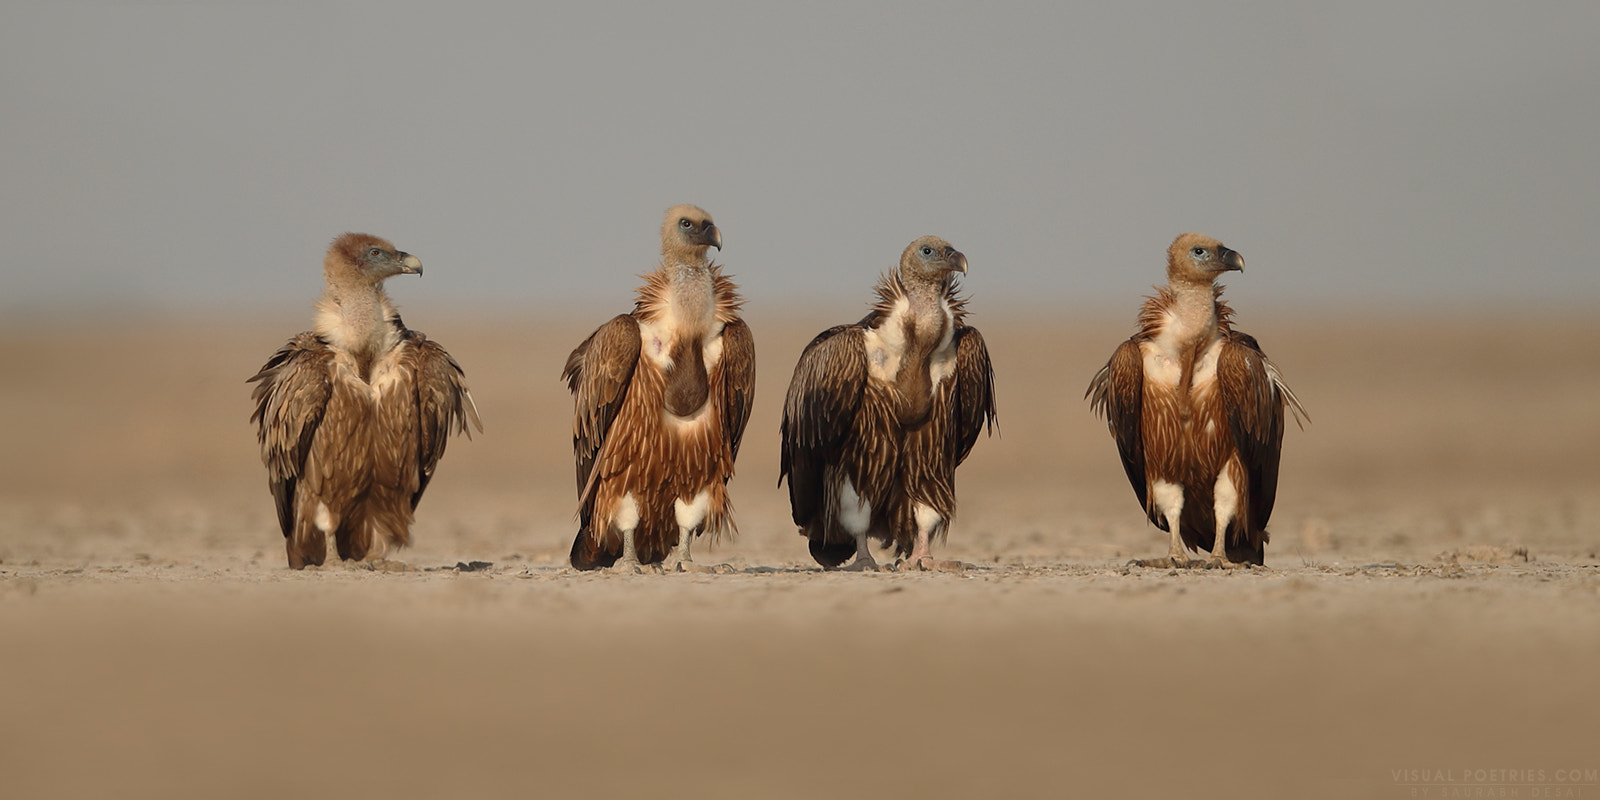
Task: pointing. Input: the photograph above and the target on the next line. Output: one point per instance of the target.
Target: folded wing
(819, 412)
(974, 395)
(443, 404)
(1253, 398)
(1117, 394)
(291, 396)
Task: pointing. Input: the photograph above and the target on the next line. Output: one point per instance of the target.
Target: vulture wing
(1117, 394)
(291, 396)
(1254, 397)
(818, 413)
(974, 398)
(738, 365)
(443, 403)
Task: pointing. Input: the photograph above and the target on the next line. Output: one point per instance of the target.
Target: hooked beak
(1231, 260)
(410, 264)
(960, 262)
(707, 236)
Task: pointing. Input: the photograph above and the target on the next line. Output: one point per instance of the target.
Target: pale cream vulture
(353, 415)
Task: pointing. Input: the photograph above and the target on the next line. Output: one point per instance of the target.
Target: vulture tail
(832, 554)
(1254, 552)
(590, 552)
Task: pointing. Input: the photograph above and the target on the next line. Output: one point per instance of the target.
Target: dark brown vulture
(353, 415)
(1197, 412)
(880, 413)
(661, 399)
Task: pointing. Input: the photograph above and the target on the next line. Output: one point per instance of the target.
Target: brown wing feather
(443, 403)
(1253, 398)
(598, 373)
(819, 411)
(1117, 393)
(291, 396)
(738, 366)
(974, 398)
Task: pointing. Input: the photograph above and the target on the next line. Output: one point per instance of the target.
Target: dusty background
(1432, 602)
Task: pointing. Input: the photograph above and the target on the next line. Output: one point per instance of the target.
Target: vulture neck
(1184, 321)
(924, 293)
(357, 318)
(679, 324)
(918, 330)
(691, 301)
(929, 315)
(1190, 318)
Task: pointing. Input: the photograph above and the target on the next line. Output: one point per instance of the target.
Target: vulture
(1197, 412)
(661, 396)
(880, 413)
(353, 415)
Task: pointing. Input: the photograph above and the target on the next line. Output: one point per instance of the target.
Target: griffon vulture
(1197, 412)
(661, 399)
(353, 415)
(880, 413)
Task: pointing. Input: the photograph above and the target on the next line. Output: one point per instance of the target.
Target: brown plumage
(880, 413)
(353, 415)
(661, 399)
(1197, 412)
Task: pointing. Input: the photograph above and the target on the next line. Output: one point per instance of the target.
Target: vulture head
(1197, 258)
(687, 231)
(367, 258)
(933, 259)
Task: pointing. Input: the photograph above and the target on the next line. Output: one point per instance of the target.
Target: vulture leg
(854, 515)
(687, 564)
(1168, 499)
(628, 563)
(864, 562)
(691, 518)
(1227, 496)
(928, 521)
(680, 554)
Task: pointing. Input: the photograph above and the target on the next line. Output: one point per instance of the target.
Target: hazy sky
(1416, 153)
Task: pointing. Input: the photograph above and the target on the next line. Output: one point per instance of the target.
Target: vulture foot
(1222, 563)
(862, 563)
(695, 566)
(929, 564)
(623, 567)
(1157, 563)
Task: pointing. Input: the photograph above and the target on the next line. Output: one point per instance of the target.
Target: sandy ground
(1431, 614)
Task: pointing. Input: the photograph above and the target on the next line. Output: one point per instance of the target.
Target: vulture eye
(927, 251)
(1198, 252)
(374, 252)
(685, 224)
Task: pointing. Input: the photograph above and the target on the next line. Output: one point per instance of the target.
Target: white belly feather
(1163, 365)
(886, 345)
(655, 343)
(692, 514)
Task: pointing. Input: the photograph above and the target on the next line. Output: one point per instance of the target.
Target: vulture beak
(409, 264)
(958, 262)
(1231, 260)
(715, 236)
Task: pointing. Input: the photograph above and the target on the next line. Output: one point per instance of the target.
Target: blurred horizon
(1419, 157)
(1117, 318)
